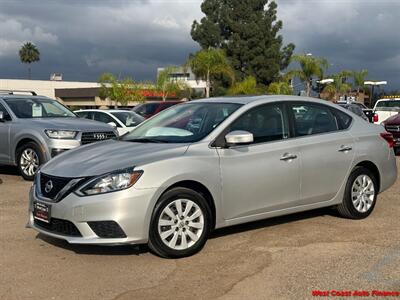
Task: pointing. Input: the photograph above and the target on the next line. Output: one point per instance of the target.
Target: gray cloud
(82, 39)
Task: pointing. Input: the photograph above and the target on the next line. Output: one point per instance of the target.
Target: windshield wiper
(146, 140)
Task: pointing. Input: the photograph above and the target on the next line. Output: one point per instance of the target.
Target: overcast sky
(83, 38)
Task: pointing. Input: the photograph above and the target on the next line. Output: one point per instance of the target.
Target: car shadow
(141, 249)
(265, 223)
(9, 170)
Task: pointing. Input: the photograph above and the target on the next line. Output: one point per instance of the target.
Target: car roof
(260, 99)
(22, 96)
(104, 110)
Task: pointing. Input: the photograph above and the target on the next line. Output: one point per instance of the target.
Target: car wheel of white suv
(180, 223)
(360, 194)
(29, 158)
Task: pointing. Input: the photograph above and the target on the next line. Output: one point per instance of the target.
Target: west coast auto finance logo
(355, 293)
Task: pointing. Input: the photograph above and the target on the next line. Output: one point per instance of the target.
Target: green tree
(311, 68)
(359, 79)
(339, 86)
(167, 87)
(28, 54)
(209, 62)
(280, 88)
(246, 87)
(248, 32)
(120, 91)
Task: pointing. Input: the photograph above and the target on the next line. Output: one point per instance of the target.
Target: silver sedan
(209, 164)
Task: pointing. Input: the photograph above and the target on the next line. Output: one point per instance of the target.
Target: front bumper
(131, 209)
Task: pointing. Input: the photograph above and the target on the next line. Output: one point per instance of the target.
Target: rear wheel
(29, 158)
(360, 194)
(180, 224)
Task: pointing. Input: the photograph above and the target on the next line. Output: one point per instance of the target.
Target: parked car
(369, 113)
(354, 109)
(149, 109)
(213, 163)
(124, 121)
(392, 125)
(33, 129)
(385, 108)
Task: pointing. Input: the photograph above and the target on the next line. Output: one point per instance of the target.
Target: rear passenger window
(313, 119)
(344, 120)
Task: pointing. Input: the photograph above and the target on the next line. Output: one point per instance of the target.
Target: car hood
(77, 124)
(107, 156)
(393, 120)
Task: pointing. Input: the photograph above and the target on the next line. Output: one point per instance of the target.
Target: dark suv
(149, 109)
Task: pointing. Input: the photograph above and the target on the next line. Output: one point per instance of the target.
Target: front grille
(107, 229)
(59, 226)
(50, 186)
(91, 137)
(393, 128)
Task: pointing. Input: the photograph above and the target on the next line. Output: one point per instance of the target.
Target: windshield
(388, 104)
(145, 109)
(128, 118)
(27, 108)
(184, 123)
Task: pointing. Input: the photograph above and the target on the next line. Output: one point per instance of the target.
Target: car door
(325, 147)
(264, 175)
(5, 136)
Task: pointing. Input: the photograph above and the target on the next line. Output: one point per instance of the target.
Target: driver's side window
(6, 115)
(266, 123)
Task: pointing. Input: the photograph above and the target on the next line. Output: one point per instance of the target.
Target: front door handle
(344, 148)
(288, 156)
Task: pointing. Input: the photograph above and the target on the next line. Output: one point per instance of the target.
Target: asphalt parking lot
(281, 258)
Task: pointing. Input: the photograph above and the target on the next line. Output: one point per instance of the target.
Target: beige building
(43, 87)
(75, 94)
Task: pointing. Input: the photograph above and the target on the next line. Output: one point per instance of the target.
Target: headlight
(112, 182)
(61, 134)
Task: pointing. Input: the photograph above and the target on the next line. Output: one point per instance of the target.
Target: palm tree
(339, 85)
(209, 62)
(359, 78)
(28, 54)
(246, 87)
(310, 67)
(280, 88)
(168, 87)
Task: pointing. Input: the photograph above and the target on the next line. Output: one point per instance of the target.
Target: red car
(149, 109)
(392, 125)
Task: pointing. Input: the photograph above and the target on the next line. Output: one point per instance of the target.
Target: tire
(182, 234)
(360, 194)
(29, 155)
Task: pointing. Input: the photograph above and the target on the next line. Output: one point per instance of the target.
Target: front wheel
(180, 224)
(360, 194)
(29, 159)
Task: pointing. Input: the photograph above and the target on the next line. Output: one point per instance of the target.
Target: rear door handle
(345, 148)
(288, 156)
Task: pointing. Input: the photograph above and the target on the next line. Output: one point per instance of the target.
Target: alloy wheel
(181, 224)
(363, 193)
(29, 162)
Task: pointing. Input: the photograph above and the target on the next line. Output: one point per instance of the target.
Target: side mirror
(2, 116)
(112, 124)
(239, 137)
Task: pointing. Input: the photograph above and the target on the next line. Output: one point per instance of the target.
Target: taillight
(376, 118)
(388, 138)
